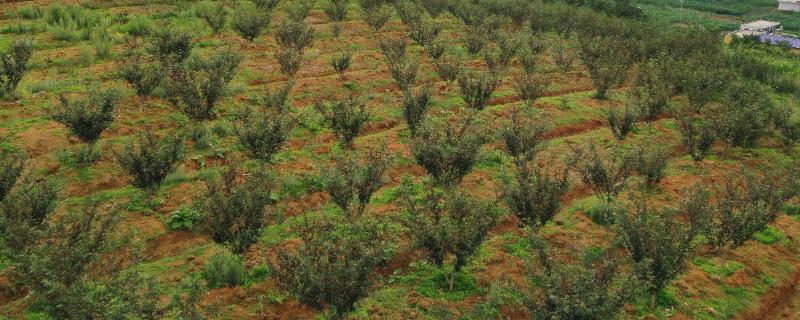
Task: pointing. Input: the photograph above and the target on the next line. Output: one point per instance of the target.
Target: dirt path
(791, 311)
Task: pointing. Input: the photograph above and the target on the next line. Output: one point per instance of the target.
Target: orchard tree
(11, 166)
(477, 88)
(447, 223)
(249, 22)
(14, 65)
(524, 133)
(294, 34)
(332, 265)
(531, 87)
(346, 117)
(376, 17)
(263, 131)
(621, 123)
(24, 212)
(215, 16)
(607, 59)
(650, 161)
(201, 82)
(650, 90)
(745, 115)
(235, 208)
(89, 117)
(607, 173)
(149, 159)
(592, 289)
(447, 153)
(351, 181)
(534, 193)
(416, 103)
(404, 72)
(140, 69)
(697, 135)
(170, 47)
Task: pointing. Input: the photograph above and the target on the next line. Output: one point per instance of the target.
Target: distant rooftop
(759, 25)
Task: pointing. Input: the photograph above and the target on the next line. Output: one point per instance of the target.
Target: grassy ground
(722, 15)
(69, 59)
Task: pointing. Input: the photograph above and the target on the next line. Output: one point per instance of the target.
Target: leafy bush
(447, 153)
(415, 104)
(88, 118)
(294, 34)
(425, 31)
(337, 10)
(346, 117)
(214, 16)
(351, 182)
(291, 60)
(498, 55)
(24, 212)
(447, 223)
(607, 174)
(745, 116)
(394, 49)
(434, 7)
(263, 131)
(170, 47)
(531, 87)
(620, 123)
(404, 72)
(376, 17)
(201, 83)
(410, 13)
(477, 88)
(140, 70)
(11, 165)
(449, 68)
(224, 269)
(650, 91)
(788, 126)
(333, 263)
(650, 161)
(563, 56)
(697, 135)
(298, 10)
(476, 38)
(234, 212)
(183, 219)
(341, 62)
(583, 290)
(14, 65)
(535, 195)
(607, 59)
(249, 23)
(148, 159)
(523, 134)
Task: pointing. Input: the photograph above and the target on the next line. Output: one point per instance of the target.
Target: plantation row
(77, 267)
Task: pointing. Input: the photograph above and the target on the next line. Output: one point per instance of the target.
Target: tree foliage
(89, 117)
(351, 181)
(14, 65)
(149, 159)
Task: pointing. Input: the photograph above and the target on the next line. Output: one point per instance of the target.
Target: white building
(789, 5)
(761, 26)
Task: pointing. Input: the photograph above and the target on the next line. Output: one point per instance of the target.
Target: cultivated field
(302, 159)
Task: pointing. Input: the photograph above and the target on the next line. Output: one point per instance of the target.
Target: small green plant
(224, 269)
(235, 210)
(263, 131)
(249, 23)
(531, 87)
(424, 32)
(393, 48)
(404, 72)
(291, 60)
(88, 118)
(620, 123)
(447, 151)
(449, 68)
(376, 17)
(214, 15)
(294, 34)
(341, 62)
(477, 88)
(650, 161)
(346, 117)
(11, 165)
(298, 10)
(202, 82)
(337, 10)
(352, 181)
(415, 105)
(184, 219)
(267, 5)
(148, 159)
(139, 69)
(14, 65)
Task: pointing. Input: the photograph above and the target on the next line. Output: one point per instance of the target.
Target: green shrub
(404, 72)
(607, 59)
(88, 118)
(294, 34)
(234, 212)
(650, 91)
(425, 31)
(447, 151)
(603, 213)
(524, 134)
(341, 62)
(333, 264)
(224, 270)
(214, 16)
(267, 5)
(745, 116)
(298, 10)
(24, 212)
(650, 161)
(14, 65)
(620, 123)
(377, 17)
(200, 83)
(352, 181)
(137, 26)
(415, 105)
(291, 60)
(535, 194)
(477, 88)
(170, 47)
(11, 165)
(183, 219)
(531, 87)
(337, 10)
(393, 48)
(249, 22)
(697, 135)
(148, 159)
(606, 173)
(346, 117)
(449, 68)
(263, 131)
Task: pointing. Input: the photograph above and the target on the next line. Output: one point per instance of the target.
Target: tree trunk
(653, 299)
